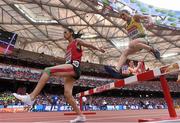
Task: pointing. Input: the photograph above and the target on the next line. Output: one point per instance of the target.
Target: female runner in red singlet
(70, 71)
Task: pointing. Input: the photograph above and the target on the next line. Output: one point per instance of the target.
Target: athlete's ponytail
(75, 35)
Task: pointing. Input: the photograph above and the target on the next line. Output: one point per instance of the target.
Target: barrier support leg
(168, 97)
(81, 103)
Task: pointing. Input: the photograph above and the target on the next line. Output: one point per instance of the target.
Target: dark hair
(125, 11)
(75, 35)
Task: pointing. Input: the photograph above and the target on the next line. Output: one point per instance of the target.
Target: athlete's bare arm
(90, 46)
(147, 20)
(142, 18)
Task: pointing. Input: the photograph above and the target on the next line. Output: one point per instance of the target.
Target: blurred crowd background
(21, 71)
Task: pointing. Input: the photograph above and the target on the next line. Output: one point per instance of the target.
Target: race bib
(133, 33)
(76, 63)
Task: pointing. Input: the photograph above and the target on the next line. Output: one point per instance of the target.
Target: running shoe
(156, 54)
(24, 98)
(78, 119)
(113, 72)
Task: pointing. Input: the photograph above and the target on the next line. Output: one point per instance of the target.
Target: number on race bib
(76, 63)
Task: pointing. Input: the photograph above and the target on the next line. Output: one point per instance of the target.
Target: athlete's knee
(47, 70)
(67, 95)
(132, 44)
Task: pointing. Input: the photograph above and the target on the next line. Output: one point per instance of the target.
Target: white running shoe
(78, 119)
(24, 98)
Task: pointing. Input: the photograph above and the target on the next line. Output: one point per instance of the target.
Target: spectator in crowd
(134, 69)
(84, 101)
(173, 67)
(104, 105)
(54, 100)
(131, 68)
(125, 70)
(114, 106)
(5, 104)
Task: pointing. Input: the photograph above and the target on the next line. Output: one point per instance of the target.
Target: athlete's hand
(149, 25)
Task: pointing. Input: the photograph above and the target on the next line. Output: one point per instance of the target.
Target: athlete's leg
(140, 43)
(68, 87)
(116, 72)
(135, 46)
(59, 70)
(130, 50)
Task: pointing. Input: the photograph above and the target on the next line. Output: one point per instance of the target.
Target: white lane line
(165, 121)
(122, 117)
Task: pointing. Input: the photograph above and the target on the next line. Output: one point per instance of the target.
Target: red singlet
(73, 52)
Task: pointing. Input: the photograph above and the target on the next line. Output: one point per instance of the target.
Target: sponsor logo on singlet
(68, 56)
(133, 31)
